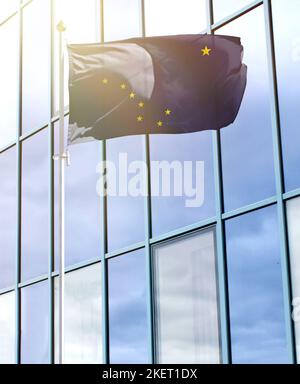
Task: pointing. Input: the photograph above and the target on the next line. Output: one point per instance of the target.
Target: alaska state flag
(168, 84)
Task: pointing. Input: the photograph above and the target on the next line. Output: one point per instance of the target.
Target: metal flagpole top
(61, 26)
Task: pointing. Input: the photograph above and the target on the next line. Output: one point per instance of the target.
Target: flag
(166, 85)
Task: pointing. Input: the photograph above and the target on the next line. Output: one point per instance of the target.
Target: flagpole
(61, 198)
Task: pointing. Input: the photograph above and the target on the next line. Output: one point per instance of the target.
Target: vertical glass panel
(171, 17)
(9, 82)
(247, 154)
(121, 19)
(8, 217)
(186, 300)
(185, 162)
(287, 44)
(83, 319)
(7, 8)
(82, 203)
(127, 309)
(7, 328)
(255, 289)
(81, 18)
(35, 205)
(36, 65)
(224, 8)
(293, 214)
(35, 324)
(125, 202)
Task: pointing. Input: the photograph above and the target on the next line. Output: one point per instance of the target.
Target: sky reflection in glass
(247, 153)
(186, 300)
(36, 65)
(35, 205)
(35, 324)
(287, 44)
(7, 328)
(255, 289)
(125, 214)
(83, 338)
(127, 309)
(293, 214)
(8, 217)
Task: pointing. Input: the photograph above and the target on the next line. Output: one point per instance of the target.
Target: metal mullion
(19, 193)
(103, 214)
(220, 233)
(249, 208)
(279, 178)
(148, 227)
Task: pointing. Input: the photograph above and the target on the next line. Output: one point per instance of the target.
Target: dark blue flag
(169, 84)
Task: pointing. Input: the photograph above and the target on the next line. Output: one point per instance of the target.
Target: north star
(113, 374)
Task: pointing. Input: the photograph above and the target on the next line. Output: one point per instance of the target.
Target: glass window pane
(7, 328)
(293, 214)
(224, 8)
(83, 319)
(127, 309)
(255, 289)
(8, 217)
(186, 300)
(9, 82)
(125, 203)
(7, 8)
(171, 17)
(81, 18)
(190, 168)
(121, 19)
(35, 205)
(82, 203)
(35, 324)
(247, 153)
(36, 63)
(287, 44)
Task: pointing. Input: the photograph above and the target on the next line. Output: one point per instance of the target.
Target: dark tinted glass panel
(224, 8)
(8, 217)
(36, 61)
(255, 289)
(9, 82)
(186, 303)
(293, 213)
(188, 150)
(171, 17)
(117, 14)
(247, 154)
(287, 43)
(35, 324)
(127, 309)
(7, 328)
(35, 205)
(82, 203)
(125, 202)
(83, 339)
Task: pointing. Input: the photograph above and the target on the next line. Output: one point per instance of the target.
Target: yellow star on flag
(168, 112)
(132, 95)
(206, 51)
(105, 81)
(123, 86)
(141, 104)
(140, 118)
(159, 123)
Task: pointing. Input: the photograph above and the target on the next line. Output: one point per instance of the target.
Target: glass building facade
(149, 280)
